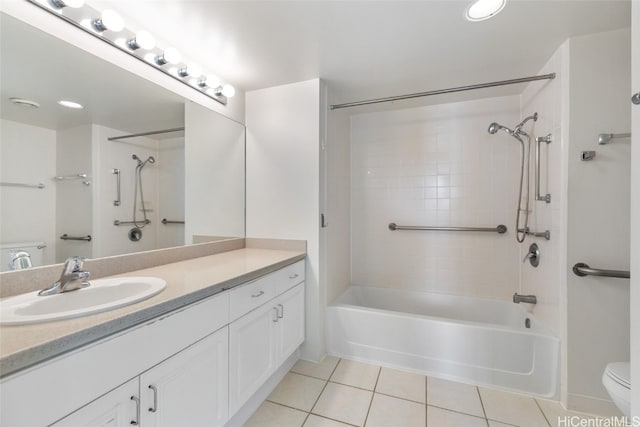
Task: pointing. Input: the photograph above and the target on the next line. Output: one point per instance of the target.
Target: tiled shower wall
(436, 165)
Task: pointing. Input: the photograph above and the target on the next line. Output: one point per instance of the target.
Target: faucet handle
(73, 264)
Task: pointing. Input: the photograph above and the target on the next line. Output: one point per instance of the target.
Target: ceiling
(368, 49)
(45, 69)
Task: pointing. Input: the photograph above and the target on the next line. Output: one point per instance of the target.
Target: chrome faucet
(72, 278)
(19, 260)
(529, 299)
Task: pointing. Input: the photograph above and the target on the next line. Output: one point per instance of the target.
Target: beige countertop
(187, 282)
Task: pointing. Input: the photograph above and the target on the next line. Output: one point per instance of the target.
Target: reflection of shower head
(142, 164)
(495, 127)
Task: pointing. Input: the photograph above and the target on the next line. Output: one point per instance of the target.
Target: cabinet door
(251, 354)
(118, 408)
(291, 322)
(190, 388)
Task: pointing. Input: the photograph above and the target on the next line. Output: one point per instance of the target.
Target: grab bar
(581, 269)
(118, 222)
(546, 233)
(86, 238)
(499, 229)
(539, 197)
(82, 176)
(605, 138)
(166, 221)
(116, 172)
(19, 184)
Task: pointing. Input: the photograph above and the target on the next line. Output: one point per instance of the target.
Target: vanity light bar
(109, 27)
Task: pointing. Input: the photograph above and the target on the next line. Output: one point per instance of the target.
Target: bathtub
(472, 340)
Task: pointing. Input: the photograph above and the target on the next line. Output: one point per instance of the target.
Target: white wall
(215, 176)
(338, 210)
(635, 214)
(436, 166)
(171, 185)
(28, 155)
(283, 183)
(74, 200)
(598, 214)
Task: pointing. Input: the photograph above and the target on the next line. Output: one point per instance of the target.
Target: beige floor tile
(512, 408)
(356, 374)
(316, 421)
(389, 411)
(322, 370)
(274, 415)
(297, 391)
(437, 417)
(556, 415)
(454, 396)
(344, 403)
(405, 385)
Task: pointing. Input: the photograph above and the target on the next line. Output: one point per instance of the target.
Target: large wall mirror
(70, 188)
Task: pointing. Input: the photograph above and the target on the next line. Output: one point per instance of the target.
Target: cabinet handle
(293, 276)
(137, 420)
(155, 398)
(281, 315)
(277, 317)
(259, 294)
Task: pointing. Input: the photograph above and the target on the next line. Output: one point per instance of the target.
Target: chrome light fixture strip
(219, 98)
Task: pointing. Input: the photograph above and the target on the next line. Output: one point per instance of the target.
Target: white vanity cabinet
(260, 341)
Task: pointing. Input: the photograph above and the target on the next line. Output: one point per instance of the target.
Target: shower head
(151, 160)
(495, 127)
(141, 164)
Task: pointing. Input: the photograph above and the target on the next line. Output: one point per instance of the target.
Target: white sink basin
(102, 295)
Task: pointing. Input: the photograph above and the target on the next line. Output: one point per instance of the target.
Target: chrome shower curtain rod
(443, 91)
(153, 132)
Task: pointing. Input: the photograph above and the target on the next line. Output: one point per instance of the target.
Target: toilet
(617, 380)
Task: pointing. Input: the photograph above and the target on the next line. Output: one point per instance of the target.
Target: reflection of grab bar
(539, 197)
(499, 229)
(581, 269)
(18, 184)
(116, 172)
(86, 238)
(166, 221)
(605, 138)
(82, 176)
(118, 222)
(546, 233)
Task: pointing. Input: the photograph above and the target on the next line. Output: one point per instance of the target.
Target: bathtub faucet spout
(530, 299)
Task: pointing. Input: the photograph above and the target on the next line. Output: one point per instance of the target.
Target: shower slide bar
(443, 91)
(500, 229)
(605, 138)
(581, 269)
(118, 222)
(19, 184)
(152, 132)
(166, 221)
(86, 238)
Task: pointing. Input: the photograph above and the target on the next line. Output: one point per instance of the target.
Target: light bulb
(110, 20)
(59, 4)
(143, 39)
(212, 81)
(228, 91)
(169, 56)
(484, 9)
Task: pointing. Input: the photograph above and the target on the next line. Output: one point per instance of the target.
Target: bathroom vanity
(192, 355)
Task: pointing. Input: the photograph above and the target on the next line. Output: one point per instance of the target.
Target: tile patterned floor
(340, 392)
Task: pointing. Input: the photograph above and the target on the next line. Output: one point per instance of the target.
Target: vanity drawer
(246, 297)
(290, 276)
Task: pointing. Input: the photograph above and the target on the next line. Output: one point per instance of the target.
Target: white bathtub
(472, 340)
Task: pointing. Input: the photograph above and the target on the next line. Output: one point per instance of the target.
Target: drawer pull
(275, 320)
(137, 420)
(281, 311)
(259, 294)
(293, 276)
(155, 398)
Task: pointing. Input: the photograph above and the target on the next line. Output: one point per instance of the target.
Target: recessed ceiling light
(484, 9)
(24, 102)
(70, 104)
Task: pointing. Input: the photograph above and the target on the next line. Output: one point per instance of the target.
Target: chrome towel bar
(581, 269)
(499, 229)
(166, 221)
(86, 238)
